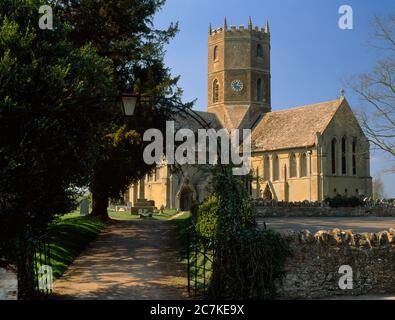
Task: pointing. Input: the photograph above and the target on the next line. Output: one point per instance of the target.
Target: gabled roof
(293, 128)
(234, 115)
(195, 120)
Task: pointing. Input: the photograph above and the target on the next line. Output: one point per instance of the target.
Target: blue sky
(310, 55)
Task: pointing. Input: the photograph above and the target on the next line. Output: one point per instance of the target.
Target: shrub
(343, 201)
(251, 263)
(207, 217)
(246, 260)
(208, 212)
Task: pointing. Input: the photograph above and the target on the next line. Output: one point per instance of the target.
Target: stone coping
(338, 237)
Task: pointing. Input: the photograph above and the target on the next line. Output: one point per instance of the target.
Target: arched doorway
(186, 197)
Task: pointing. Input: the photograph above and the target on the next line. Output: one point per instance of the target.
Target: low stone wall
(313, 269)
(8, 284)
(295, 211)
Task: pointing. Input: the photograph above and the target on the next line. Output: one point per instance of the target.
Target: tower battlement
(250, 29)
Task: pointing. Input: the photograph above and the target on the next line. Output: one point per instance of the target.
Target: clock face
(237, 85)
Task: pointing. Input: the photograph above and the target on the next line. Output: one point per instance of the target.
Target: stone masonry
(313, 269)
(292, 211)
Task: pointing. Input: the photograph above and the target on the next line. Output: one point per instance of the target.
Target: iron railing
(200, 253)
(41, 264)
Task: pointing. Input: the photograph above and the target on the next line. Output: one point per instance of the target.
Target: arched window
(215, 91)
(215, 53)
(303, 165)
(259, 89)
(354, 157)
(344, 155)
(333, 155)
(157, 174)
(259, 50)
(276, 171)
(267, 168)
(292, 166)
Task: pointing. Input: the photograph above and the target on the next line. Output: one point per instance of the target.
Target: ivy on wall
(247, 259)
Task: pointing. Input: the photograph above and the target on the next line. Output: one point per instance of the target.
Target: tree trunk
(100, 204)
(25, 273)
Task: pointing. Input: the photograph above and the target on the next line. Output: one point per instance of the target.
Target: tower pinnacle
(249, 23)
(267, 29)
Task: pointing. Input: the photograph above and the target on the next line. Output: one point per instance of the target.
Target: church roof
(197, 120)
(295, 127)
(234, 115)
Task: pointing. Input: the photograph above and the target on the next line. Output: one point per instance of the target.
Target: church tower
(239, 73)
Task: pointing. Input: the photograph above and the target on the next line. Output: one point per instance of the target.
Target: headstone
(84, 207)
(148, 205)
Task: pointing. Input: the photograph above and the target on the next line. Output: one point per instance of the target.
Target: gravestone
(84, 207)
(148, 205)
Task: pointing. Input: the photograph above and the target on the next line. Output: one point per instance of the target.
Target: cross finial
(342, 93)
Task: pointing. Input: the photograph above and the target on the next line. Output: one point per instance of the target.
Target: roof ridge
(306, 106)
(341, 100)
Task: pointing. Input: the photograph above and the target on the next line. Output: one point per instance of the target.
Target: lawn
(126, 215)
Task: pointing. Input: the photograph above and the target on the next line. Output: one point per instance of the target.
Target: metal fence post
(196, 264)
(204, 269)
(189, 262)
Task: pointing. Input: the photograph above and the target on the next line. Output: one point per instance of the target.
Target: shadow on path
(130, 260)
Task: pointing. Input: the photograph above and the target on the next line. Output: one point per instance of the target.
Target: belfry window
(216, 53)
(333, 156)
(344, 155)
(259, 50)
(259, 89)
(215, 91)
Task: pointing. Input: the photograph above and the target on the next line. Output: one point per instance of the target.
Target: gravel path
(130, 260)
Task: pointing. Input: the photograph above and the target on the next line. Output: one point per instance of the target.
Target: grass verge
(69, 236)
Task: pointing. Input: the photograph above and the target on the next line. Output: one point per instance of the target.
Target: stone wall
(8, 284)
(313, 269)
(318, 211)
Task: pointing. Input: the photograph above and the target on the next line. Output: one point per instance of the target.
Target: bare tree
(377, 89)
(378, 188)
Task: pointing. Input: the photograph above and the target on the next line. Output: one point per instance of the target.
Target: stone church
(308, 152)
